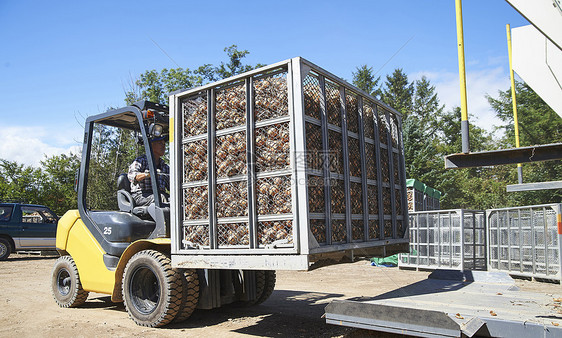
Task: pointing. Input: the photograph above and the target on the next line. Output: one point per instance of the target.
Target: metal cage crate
(281, 165)
(525, 241)
(452, 239)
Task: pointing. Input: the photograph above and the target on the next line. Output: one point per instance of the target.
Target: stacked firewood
(273, 147)
(274, 195)
(195, 235)
(318, 228)
(230, 107)
(196, 201)
(270, 98)
(195, 161)
(233, 234)
(195, 116)
(271, 231)
(232, 199)
(231, 154)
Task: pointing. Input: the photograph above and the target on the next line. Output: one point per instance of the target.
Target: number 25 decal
(107, 230)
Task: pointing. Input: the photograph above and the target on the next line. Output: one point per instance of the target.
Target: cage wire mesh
(318, 229)
(195, 200)
(194, 115)
(274, 231)
(232, 199)
(271, 97)
(230, 106)
(333, 103)
(195, 166)
(352, 109)
(311, 91)
(272, 147)
(274, 195)
(233, 234)
(231, 154)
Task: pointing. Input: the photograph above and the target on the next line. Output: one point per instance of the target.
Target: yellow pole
(513, 100)
(462, 79)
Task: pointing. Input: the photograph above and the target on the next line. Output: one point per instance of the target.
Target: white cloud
(30, 144)
(479, 84)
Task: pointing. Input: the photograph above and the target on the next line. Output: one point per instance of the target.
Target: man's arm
(136, 172)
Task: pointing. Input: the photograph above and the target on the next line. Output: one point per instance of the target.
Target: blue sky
(63, 60)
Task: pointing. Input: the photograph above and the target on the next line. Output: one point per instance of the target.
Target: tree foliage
(155, 85)
(538, 124)
(430, 132)
(52, 184)
(398, 92)
(364, 79)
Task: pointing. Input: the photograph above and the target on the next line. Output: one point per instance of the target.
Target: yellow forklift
(112, 246)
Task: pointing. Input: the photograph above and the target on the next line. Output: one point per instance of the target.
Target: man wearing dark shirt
(141, 184)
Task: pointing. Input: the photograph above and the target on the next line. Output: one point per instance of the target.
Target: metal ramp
(454, 304)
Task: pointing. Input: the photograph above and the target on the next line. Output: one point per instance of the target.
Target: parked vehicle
(26, 227)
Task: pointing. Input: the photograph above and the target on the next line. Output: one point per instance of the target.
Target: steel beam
(536, 153)
(534, 186)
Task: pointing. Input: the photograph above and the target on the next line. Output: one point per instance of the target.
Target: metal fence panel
(451, 239)
(525, 241)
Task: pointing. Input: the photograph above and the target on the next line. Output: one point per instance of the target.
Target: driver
(141, 185)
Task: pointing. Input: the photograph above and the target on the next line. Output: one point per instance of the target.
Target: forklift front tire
(152, 290)
(65, 283)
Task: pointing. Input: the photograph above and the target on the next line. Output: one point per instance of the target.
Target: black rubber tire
(269, 284)
(260, 286)
(190, 297)
(5, 249)
(152, 290)
(65, 283)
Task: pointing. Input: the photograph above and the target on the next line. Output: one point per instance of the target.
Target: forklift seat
(125, 199)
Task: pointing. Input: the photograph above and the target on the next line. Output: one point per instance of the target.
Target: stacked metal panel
(286, 159)
(525, 241)
(446, 239)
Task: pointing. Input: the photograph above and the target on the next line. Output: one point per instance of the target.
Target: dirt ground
(295, 309)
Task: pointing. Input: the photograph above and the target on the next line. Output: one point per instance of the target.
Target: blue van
(26, 227)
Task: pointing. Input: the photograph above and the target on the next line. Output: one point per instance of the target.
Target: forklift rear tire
(5, 249)
(190, 295)
(65, 283)
(152, 290)
(269, 284)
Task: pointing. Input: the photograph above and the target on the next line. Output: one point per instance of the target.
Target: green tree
(234, 65)
(364, 79)
(538, 124)
(426, 106)
(155, 86)
(398, 92)
(449, 126)
(19, 182)
(57, 181)
(422, 161)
